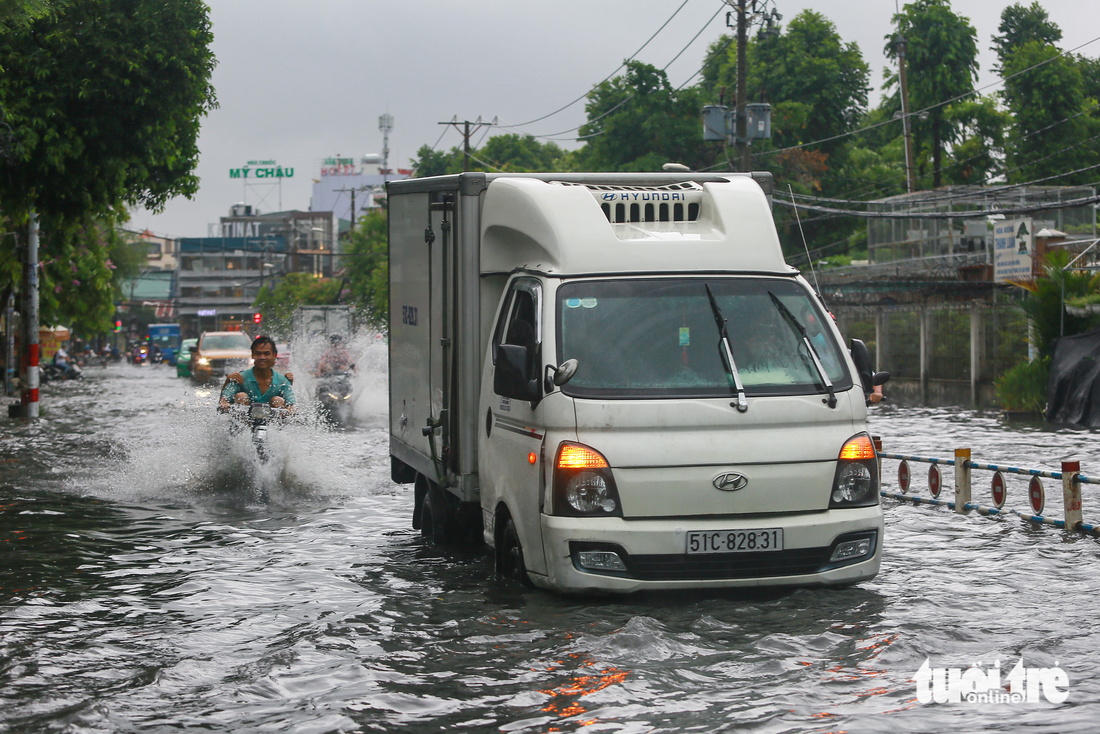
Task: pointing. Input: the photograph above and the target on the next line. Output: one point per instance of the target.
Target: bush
(1024, 387)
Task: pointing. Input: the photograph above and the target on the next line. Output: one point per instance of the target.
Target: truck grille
(794, 562)
(714, 566)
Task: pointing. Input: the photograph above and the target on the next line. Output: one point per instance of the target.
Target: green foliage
(816, 83)
(18, 13)
(83, 268)
(977, 156)
(1021, 24)
(100, 102)
(105, 95)
(295, 289)
(367, 262)
(1044, 301)
(509, 152)
(637, 122)
(1024, 386)
(430, 162)
(1048, 133)
(941, 63)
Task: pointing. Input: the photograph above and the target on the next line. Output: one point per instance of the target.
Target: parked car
(219, 353)
(183, 360)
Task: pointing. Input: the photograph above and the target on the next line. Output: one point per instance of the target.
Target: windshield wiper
(801, 331)
(742, 404)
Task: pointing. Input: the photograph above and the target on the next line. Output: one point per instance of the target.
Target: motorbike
(258, 417)
(334, 396)
(49, 372)
(139, 355)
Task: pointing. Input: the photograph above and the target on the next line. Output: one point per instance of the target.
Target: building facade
(220, 276)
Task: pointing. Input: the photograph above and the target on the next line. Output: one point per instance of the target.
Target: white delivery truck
(617, 382)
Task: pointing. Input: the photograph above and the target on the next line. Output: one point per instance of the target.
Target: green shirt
(280, 387)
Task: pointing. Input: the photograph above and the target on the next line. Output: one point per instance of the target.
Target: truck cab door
(513, 431)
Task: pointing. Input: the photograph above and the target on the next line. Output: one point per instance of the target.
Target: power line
(629, 58)
(550, 136)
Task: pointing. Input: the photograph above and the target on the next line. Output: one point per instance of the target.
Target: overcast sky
(297, 82)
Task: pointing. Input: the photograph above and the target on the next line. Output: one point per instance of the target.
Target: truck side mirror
(862, 359)
(563, 373)
(867, 376)
(510, 377)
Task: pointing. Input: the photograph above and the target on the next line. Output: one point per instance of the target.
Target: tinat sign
(261, 169)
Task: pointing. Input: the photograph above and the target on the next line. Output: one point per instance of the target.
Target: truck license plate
(735, 541)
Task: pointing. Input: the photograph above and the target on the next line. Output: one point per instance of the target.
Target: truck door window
(521, 319)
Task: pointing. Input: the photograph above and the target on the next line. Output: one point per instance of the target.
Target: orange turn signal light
(858, 448)
(572, 456)
(531, 458)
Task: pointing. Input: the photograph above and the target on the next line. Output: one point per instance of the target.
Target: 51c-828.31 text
(735, 541)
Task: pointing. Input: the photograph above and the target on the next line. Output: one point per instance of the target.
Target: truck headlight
(855, 483)
(583, 484)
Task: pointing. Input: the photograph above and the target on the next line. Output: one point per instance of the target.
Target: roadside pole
(30, 320)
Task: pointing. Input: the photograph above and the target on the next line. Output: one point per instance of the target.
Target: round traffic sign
(998, 490)
(903, 475)
(934, 480)
(1036, 496)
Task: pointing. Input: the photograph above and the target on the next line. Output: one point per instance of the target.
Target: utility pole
(910, 181)
(466, 134)
(351, 191)
(30, 320)
(743, 87)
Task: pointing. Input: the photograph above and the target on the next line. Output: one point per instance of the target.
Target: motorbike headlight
(583, 484)
(204, 360)
(856, 481)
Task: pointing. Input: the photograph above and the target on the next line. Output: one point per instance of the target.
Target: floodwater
(143, 588)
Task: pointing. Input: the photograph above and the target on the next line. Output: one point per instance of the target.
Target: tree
(1020, 24)
(430, 162)
(942, 64)
(1052, 123)
(295, 289)
(977, 156)
(638, 122)
(105, 95)
(510, 152)
(521, 153)
(366, 259)
(817, 84)
(100, 102)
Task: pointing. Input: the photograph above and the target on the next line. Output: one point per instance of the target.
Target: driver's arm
(228, 393)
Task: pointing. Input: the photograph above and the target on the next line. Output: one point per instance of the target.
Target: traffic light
(118, 325)
(256, 318)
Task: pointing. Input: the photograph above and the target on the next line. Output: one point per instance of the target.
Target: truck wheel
(430, 529)
(510, 555)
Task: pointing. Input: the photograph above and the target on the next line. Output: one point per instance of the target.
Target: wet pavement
(143, 587)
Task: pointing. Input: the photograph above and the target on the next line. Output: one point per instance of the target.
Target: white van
(617, 381)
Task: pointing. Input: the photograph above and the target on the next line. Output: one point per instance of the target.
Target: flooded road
(143, 588)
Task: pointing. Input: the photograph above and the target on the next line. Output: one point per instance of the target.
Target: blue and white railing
(1070, 478)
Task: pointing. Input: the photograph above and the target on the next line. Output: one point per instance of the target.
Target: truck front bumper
(653, 552)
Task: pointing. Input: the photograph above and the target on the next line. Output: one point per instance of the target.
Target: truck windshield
(657, 338)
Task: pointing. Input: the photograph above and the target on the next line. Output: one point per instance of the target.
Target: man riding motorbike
(336, 358)
(261, 383)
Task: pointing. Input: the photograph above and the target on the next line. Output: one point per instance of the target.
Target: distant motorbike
(139, 355)
(50, 372)
(334, 396)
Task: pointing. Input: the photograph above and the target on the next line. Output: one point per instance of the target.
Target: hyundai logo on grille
(730, 481)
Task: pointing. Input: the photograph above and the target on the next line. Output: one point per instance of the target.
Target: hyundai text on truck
(618, 383)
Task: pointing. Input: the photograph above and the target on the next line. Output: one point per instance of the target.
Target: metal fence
(969, 345)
